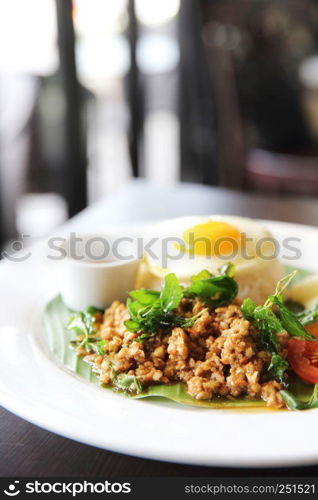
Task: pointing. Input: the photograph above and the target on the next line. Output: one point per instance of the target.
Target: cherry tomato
(303, 359)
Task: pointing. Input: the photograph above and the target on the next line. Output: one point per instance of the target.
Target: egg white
(257, 274)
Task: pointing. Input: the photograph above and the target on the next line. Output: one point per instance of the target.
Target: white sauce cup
(96, 269)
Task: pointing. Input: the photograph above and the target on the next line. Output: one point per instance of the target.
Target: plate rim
(11, 403)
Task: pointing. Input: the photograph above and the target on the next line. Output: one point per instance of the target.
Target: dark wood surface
(27, 450)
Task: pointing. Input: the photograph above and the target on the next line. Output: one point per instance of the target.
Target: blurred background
(95, 92)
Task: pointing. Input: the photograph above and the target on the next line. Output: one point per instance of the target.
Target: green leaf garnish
(214, 291)
(171, 293)
(228, 269)
(309, 316)
(152, 312)
(128, 383)
(202, 275)
(295, 403)
(248, 307)
(99, 347)
(144, 296)
(84, 325)
(291, 322)
(269, 325)
(278, 366)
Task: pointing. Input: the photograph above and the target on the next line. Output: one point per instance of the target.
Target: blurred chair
(278, 173)
(254, 51)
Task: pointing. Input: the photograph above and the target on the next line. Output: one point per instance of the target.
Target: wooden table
(27, 450)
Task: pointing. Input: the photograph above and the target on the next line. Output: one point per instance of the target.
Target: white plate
(35, 387)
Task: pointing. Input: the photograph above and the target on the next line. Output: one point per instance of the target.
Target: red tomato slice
(313, 328)
(303, 358)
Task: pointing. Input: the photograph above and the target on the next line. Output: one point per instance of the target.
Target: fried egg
(187, 245)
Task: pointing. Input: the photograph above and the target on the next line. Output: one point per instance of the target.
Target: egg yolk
(212, 238)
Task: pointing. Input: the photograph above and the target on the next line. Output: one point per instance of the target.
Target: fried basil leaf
(151, 311)
(269, 325)
(215, 291)
(171, 293)
(84, 324)
(248, 307)
(278, 366)
(144, 296)
(291, 323)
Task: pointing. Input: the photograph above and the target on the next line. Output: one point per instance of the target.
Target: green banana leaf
(58, 338)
